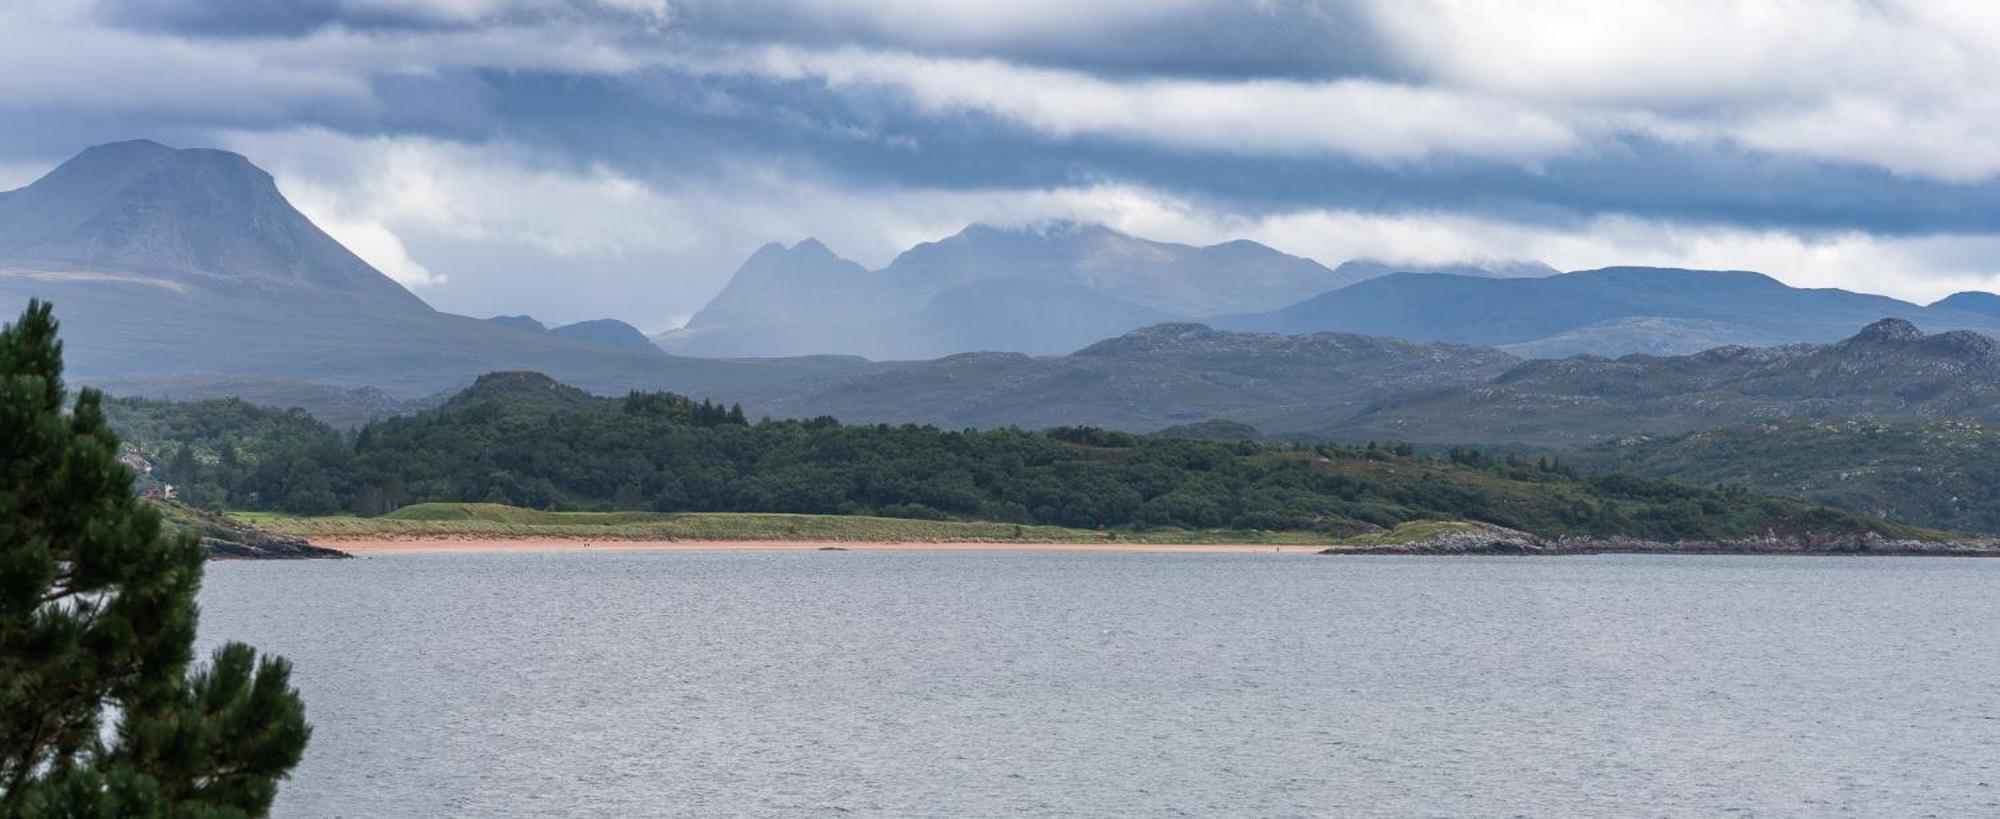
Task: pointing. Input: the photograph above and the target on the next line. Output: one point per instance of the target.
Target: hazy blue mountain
(1039, 290)
(1358, 270)
(527, 324)
(1153, 378)
(797, 301)
(145, 215)
(1890, 371)
(1612, 311)
(1648, 335)
(607, 332)
(1971, 301)
(188, 267)
(1170, 278)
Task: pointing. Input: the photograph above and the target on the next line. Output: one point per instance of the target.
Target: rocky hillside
(229, 538)
(1942, 474)
(1890, 371)
(1153, 378)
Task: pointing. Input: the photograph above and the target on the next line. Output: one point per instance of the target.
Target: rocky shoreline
(264, 546)
(1496, 540)
(226, 538)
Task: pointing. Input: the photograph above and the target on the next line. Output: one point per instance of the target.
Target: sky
(575, 159)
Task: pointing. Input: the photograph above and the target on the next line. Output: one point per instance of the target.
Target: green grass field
(497, 521)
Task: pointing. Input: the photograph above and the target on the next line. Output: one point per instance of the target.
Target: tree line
(523, 440)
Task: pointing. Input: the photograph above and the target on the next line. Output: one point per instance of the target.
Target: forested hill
(525, 440)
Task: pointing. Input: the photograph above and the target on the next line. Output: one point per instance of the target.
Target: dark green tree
(102, 713)
(182, 468)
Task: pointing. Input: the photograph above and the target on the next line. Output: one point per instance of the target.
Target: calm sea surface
(820, 683)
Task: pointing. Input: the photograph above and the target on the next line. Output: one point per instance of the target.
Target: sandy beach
(383, 546)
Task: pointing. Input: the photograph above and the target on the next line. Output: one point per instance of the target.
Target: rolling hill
(1943, 474)
(1610, 312)
(1152, 378)
(525, 440)
(1890, 371)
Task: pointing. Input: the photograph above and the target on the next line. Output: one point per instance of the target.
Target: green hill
(1890, 371)
(522, 440)
(1943, 474)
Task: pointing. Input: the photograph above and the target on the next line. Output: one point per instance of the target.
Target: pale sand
(377, 546)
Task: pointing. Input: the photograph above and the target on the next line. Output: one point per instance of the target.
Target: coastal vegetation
(495, 521)
(523, 440)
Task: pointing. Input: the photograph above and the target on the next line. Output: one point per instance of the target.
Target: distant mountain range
(1055, 289)
(1036, 290)
(173, 268)
(185, 273)
(1609, 312)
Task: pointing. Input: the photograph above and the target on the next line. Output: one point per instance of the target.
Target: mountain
(1890, 371)
(528, 324)
(1153, 378)
(1358, 270)
(1971, 301)
(147, 215)
(178, 268)
(1943, 474)
(1611, 311)
(1166, 277)
(1044, 290)
(607, 332)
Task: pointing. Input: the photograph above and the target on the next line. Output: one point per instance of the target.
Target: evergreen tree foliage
(102, 713)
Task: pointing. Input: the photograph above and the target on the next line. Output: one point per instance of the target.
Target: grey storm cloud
(1814, 137)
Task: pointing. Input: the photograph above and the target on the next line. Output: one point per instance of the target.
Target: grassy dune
(427, 520)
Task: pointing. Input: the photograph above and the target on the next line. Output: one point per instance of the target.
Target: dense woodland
(524, 440)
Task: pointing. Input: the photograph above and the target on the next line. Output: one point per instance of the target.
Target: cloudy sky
(583, 158)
